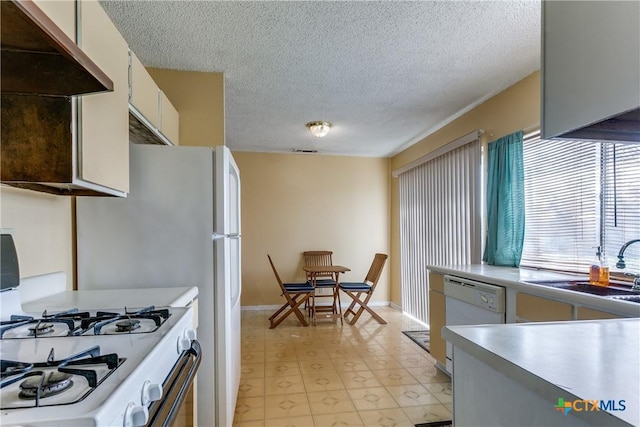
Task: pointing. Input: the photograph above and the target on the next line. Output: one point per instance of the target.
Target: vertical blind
(440, 220)
(580, 196)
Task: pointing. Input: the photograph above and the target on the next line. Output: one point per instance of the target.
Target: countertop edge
(113, 298)
(622, 308)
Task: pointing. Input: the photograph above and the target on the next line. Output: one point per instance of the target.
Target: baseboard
(395, 306)
(259, 307)
(344, 305)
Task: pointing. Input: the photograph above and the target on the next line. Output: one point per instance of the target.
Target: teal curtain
(505, 201)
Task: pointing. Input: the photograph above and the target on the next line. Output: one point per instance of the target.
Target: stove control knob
(184, 342)
(190, 334)
(150, 392)
(136, 415)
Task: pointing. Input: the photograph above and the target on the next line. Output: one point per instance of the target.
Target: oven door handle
(164, 411)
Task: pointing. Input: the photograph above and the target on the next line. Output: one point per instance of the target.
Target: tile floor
(337, 375)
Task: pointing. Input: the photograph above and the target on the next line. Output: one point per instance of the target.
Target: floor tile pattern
(337, 375)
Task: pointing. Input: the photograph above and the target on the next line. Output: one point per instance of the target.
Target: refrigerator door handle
(216, 236)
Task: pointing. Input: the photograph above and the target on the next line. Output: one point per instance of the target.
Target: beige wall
(199, 99)
(355, 212)
(293, 202)
(41, 226)
(516, 108)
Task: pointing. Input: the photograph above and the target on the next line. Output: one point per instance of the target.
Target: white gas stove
(114, 367)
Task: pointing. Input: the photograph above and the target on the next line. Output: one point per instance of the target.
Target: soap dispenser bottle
(599, 271)
(594, 269)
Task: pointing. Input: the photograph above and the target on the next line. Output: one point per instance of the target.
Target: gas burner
(55, 382)
(127, 325)
(40, 329)
(39, 385)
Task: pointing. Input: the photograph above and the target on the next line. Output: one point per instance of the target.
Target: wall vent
(301, 150)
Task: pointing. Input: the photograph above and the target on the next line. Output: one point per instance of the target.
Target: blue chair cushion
(355, 286)
(324, 283)
(298, 287)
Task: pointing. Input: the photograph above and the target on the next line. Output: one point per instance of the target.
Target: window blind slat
(578, 196)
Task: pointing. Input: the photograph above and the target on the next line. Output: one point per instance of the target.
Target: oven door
(176, 387)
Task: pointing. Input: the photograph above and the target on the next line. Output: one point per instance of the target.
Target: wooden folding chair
(295, 294)
(320, 258)
(322, 280)
(365, 288)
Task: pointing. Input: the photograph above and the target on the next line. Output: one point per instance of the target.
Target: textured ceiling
(386, 74)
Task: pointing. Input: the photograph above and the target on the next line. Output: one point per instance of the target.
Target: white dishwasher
(468, 302)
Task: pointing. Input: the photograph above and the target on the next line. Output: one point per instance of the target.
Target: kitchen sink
(630, 298)
(615, 290)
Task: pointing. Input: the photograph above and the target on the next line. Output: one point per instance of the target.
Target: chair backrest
(375, 271)
(318, 259)
(273, 267)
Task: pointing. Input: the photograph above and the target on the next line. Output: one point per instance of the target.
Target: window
(580, 196)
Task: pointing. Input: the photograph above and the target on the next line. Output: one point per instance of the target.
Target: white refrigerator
(179, 226)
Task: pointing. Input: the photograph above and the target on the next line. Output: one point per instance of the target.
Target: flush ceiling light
(319, 129)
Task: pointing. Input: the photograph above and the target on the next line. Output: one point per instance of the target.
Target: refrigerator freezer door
(227, 196)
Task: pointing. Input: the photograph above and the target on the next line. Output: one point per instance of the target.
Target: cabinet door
(436, 322)
(145, 94)
(436, 282)
(590, 314)
(590, 62)
(169, 120)
(536, 309)
(62, 13)
(104, 118)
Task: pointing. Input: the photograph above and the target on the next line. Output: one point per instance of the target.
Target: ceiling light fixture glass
(319, 129)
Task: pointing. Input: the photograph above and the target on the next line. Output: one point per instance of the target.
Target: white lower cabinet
(485, 396)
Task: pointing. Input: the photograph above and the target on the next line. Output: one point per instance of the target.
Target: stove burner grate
(127, 322)
(40, 329)
(9, 368)
(39, 383)
(45, 325)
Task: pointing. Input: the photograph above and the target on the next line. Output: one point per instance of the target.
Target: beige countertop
(517, 278)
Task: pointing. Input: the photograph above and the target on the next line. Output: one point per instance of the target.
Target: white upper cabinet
(103, 122)
(591, 70)
(169, 120)
(144, 92)
(150, 106)
(62, 13)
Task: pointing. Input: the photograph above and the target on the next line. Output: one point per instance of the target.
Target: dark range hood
(38, 58)
(622, 128)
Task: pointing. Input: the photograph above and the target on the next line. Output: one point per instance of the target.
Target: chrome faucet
(621, 264)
